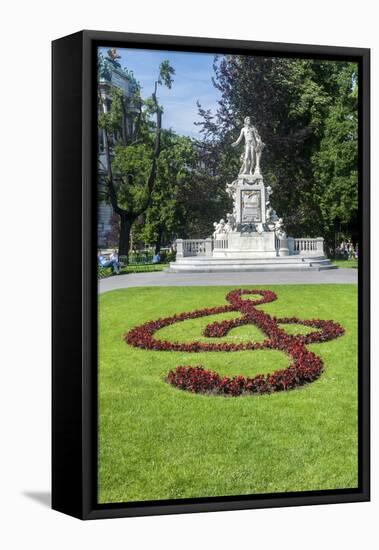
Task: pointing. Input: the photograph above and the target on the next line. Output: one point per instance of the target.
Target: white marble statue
(269, 212)
(253, 149)
(279, 229)
(269, 192)
(271, 215)
(231, 190)
(219, 228)
(231, 223)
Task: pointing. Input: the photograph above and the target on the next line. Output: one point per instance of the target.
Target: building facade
(111, 75)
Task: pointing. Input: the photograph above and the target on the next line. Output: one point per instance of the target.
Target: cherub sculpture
(230, 224)
(219, 228)
(279, 229)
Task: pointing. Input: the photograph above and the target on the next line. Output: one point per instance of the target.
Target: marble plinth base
(246, 245)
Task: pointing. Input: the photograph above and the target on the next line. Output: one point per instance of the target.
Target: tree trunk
(124, 240)
(158, 242)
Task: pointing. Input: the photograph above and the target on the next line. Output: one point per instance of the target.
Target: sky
(192, 82)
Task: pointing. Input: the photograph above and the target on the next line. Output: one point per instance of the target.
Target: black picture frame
(74, 295)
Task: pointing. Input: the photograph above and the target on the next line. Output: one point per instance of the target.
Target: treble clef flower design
(305, 366)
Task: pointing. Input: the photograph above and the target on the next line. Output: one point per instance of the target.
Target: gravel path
(161, 278)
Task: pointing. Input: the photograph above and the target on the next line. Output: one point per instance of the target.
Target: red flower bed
(305, 367)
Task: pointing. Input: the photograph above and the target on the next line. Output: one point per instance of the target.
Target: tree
(164, 218)
(293, 103)
(187, 198)
(203, 198)
(335, 165)
(131, 166)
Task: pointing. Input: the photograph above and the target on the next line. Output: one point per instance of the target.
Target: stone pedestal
(249, 196)
(246, 245)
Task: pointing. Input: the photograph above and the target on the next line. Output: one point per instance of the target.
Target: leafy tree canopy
(306, 113)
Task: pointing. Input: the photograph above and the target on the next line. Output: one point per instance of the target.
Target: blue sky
(192, 82)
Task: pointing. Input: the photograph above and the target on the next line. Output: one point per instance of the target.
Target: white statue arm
(235, 143)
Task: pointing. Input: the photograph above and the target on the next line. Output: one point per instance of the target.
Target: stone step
(275, 260)
(207, 264)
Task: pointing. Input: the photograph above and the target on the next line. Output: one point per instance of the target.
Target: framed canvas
(210, 275)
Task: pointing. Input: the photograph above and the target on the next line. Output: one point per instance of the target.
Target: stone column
(291, 245)
(208, 247)
(320, 245)
(179, 248)
(283, 247)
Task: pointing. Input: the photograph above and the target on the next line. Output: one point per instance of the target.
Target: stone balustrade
(287, 246)
(221, 243)
(307, 247)
(193, 247)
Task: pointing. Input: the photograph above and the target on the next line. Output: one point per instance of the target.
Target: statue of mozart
(253, 149)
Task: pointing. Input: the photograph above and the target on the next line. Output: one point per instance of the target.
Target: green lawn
(158, 442)
(142, 268)
(345, 263)
(104, 272)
